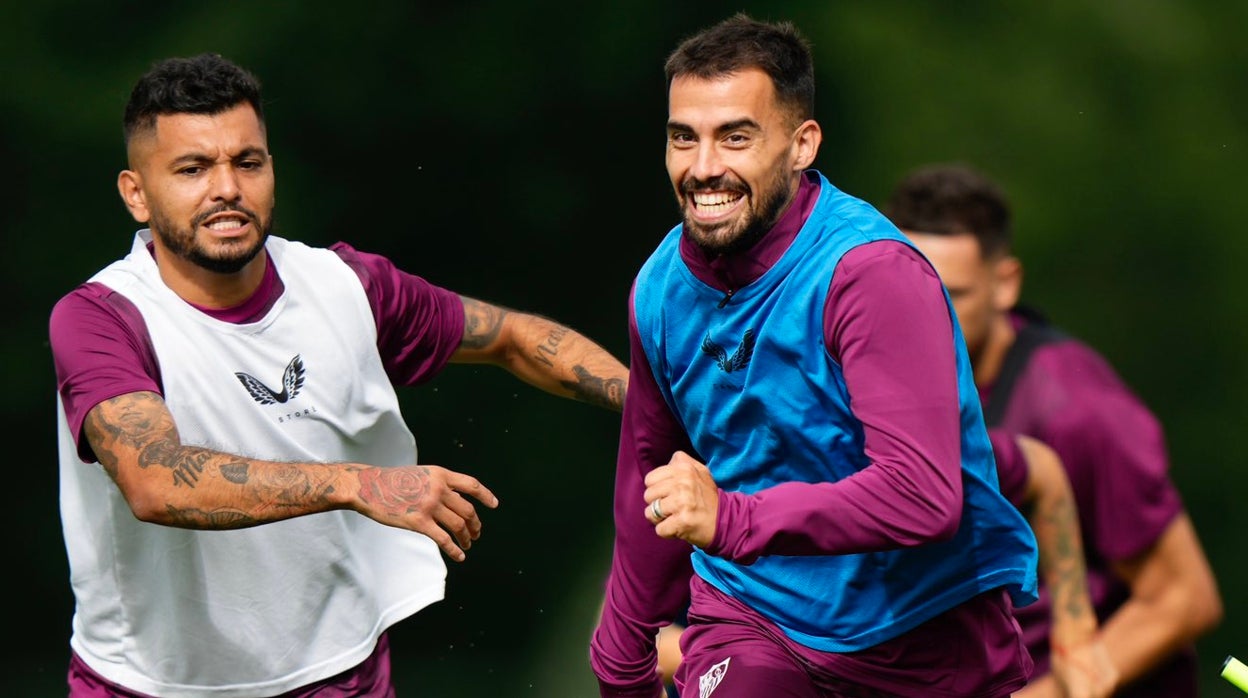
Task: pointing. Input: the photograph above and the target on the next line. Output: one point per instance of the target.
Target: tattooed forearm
(550, 346)
(235, 472)
(135, 439)
(221, 519)
(482, 323)
(607, 393)
(287, 485)
(1066, 575)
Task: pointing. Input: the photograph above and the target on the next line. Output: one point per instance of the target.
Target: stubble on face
(230, 257)
(731, 236)
(188, 169)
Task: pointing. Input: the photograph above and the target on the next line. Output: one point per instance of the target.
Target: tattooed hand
(426, 499)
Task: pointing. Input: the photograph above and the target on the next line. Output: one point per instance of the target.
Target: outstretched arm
(171, 483)
(1174, 601)
(543, 353)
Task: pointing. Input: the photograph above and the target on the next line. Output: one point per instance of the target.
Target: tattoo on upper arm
(482, 323)
(130, 419)
(134, 421)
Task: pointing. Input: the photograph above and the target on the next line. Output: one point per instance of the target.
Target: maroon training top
(1114, 452)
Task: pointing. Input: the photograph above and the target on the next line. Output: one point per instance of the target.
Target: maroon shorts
(974, 650)
(369, 679)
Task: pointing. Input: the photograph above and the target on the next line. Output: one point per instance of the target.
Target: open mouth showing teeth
(715, 202)
(225, 224)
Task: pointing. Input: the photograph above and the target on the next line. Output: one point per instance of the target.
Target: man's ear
(130, 186)
(1008, 286)
(806, 144)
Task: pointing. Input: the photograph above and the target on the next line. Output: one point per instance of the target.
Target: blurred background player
(1151, 583)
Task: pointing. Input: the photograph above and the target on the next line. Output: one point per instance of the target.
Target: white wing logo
(292, 382)
(708, 682)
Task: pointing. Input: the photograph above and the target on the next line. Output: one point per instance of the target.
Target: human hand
(1084, 670)
(1079, 671)
(426, 499)
(682, 500)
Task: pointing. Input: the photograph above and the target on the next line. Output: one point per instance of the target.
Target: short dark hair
(952, 199)
(739, 43)
(203, 84)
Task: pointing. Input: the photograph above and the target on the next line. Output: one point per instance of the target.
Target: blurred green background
(514, 152)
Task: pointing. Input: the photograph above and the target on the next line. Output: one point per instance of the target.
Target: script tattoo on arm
(549, 348)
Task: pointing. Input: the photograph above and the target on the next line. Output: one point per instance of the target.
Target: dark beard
(181, 242)
(227, 265)
(755, 227)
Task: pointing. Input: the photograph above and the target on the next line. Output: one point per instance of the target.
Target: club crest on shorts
(708, 682)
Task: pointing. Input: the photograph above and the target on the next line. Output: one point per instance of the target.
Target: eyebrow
(721, 129)
(251, 151)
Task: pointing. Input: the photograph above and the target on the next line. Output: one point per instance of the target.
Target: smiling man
(229, 538)
(802, 413)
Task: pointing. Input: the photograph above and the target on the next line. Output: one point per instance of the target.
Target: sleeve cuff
(732, 529)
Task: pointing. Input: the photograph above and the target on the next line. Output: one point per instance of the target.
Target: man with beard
(1151, 582)
(240, 496)
(801, 410)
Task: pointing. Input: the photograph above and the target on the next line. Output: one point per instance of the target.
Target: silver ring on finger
(657, 510)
